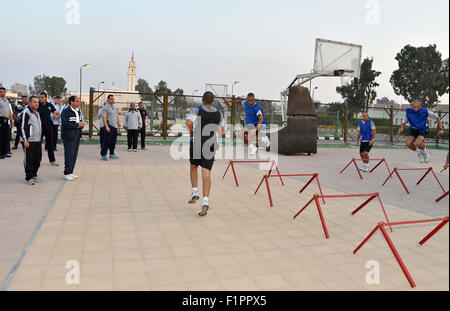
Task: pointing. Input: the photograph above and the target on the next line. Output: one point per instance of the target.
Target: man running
(203, 122)
(366, 132)
(417, 117)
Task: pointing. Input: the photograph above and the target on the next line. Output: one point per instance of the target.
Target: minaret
(132, 74)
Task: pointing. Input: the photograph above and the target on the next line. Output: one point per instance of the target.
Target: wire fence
(336, 122)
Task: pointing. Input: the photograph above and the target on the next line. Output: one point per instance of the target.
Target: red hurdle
(428, 171)
(381, 225)
(371, 171)
(266, 178)
(232, 162)
(316, 198)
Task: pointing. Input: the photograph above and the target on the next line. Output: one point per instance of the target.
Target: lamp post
(81, 79)
(98, 88)
(193, 92)
(314, 92)
(232, 87)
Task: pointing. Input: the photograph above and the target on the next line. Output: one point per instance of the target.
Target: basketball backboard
(219, 90)
(334, 58)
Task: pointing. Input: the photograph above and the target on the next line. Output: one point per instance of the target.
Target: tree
(54, 86)
(162, 88)
(180, 102)
(421, 74)
(360, 93)
(386, 102)
(144, 88)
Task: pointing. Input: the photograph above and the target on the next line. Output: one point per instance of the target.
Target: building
(132, 74)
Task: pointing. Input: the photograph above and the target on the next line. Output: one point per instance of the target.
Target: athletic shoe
(14, 148)
(252, 150)
(9, 154)
(203, 211)
(266, 141)
(134, 150)
(104, 158)
(36, 179)
(30, 182)
(74, 176)
(68, 178)
(54, 164)
(426, 156)
(2, 157)
(364, 168)
(129, 150)
(113, 156)
(143, 148)
(420, 155)
(194, 197)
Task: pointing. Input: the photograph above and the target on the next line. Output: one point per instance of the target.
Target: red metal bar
(307, 204)
(432, 233)
(292, 175)
(437, 179)
(347, 166)
(397, 256)
(369, 159)
(390, 176)
(387, 166)
(413, 169)
(268, 190)
(366, 239)
(322, 219)
(412, 222)
(281, 179)
(442, 197)
(364, 204)
(226, 171)
(348, 196)
(426, 174)
(384, 211)
(259, 186)
(375, 167)
(307, 184)
(320, 188)
(401, 180)
(357, 169)
(234, 173)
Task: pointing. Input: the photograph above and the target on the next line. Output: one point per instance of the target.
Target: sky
(263, 44)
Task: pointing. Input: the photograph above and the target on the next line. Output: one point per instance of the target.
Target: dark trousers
(55, 136)
(9, 139)
(16, 142)
(70, 155)
(33, 157)
(142, 133)
(47, 132)
(102, 136)
(109, 141)
(132, 136)
(4, 135)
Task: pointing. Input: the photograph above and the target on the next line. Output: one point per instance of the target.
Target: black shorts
(203, 162)
(416, 133)
(365, 147)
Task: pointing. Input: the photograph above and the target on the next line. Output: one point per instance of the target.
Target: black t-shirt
(44, 112)
(143, 115)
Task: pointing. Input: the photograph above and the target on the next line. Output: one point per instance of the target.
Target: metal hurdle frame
(266, 178)
(232, 162)
(316, 198)
(381, 226)
(428, 171)
(371, 171)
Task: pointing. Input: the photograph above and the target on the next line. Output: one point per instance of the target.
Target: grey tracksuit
(31, 129)
(133, 123)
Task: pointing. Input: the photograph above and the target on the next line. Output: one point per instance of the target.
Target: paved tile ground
(128, 224)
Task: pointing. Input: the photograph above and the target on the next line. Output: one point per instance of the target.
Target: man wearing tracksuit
(144, 117)
(6, 118)
(31, 128)
(132, 124)
(110, 117)
(46, 110)
(71, 126)
(17, 119)
(101, 126)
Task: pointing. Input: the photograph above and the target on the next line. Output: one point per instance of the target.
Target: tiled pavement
(129, 226)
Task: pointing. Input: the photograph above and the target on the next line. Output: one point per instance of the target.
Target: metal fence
(336, 122)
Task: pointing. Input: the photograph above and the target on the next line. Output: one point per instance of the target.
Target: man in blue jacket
(71, 126)
(366, 132)
(417, 117)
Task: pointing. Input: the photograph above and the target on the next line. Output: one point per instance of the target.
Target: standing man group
(72, 124)
(133, 125)
(111, 122)
(46, 111)
(366, 132)
(6, 121)
(144, 117)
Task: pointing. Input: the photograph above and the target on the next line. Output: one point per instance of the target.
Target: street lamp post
(98, 88)
(193, 92)
(232, 87)
(81, 78)
(314, 92)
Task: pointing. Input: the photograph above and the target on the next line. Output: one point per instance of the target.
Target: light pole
(232, 87)
(193, 92)
(81, 79)
(98, 88)
(314, 92)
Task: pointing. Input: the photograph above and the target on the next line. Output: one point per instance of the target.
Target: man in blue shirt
(417, 117)
(366, 132)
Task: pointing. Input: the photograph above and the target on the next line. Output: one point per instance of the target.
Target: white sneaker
(266, 141)
(420, 155)
(134, 150)
(68, 178)
(364, 168)
(426, 156)
(129, 150)
(194, 198)
(252, 150)
(74, 176)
